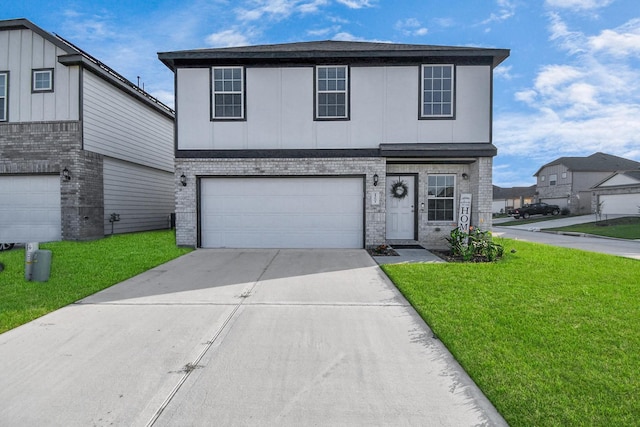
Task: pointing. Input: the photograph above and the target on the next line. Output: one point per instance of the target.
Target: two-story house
(331, 144)
(568, 181)
(78, 143)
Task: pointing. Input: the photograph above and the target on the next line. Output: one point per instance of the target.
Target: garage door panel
(30, 209)
(282, 212)
(620, 204)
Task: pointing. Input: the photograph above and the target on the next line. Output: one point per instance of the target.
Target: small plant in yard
(476, 245)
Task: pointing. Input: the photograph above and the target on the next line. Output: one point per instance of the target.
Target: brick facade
(47, 148)
(430, 234)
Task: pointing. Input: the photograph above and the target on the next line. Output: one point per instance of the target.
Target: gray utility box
(40, 267)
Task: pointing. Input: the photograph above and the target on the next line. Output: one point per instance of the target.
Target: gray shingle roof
(513, 192)
(597, 162)
(332, 49)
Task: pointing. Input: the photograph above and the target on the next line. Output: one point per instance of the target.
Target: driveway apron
(239, 337)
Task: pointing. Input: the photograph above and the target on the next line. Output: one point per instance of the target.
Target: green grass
(551, 335)
(623, 228)
(78, 269)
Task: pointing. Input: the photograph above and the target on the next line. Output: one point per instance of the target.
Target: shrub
(565, 211)
(475, 244)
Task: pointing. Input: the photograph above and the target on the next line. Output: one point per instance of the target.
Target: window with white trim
(440, 197)
(553, 179)
(4, 95)
(42, 80)
(228, 93)
(437, 91)
(332, 92)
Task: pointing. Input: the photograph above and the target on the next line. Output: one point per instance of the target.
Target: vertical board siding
(384, 108)
(142, 196)
(22, 51)
(119, 126)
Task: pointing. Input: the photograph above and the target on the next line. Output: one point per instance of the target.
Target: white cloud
(504, 72)
(346, 37)
(411, 27)
(506, 9)
(356, 4)
(227, 38)
(590, 103)
(621, 41)
(579, 4)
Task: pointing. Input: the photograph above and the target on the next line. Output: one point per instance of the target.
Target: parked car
(6, 246)
(534, 209)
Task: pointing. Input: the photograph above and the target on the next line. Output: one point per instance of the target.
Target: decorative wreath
(399, 189)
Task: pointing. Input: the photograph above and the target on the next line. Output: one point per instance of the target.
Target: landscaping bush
(477, 245)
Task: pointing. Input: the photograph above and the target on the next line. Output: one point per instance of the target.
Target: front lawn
(78, 269)
(622, 228)
(551, 335)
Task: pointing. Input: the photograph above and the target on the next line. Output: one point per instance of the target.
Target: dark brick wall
(47, 148)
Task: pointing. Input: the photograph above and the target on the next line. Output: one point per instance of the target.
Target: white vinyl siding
(282, 212)
(30, 209)
(117, 125)
(382, 109)
(23, 51)
(143, 197)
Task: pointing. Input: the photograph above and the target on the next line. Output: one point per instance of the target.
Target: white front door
(400, 206)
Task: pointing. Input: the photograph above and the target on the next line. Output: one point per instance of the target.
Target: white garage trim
(30, 208)
(620, 204)
(282, 212)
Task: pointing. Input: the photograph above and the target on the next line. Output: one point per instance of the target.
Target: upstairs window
(42, 80)
(332, 92)
(440, 197)
(437, 91)
(4, 95)
(228, 93)
(553, 179)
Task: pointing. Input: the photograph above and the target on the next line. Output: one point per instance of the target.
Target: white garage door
(621, 204)
(30, 208)
(281, 212)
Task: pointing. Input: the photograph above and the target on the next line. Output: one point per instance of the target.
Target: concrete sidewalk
(239, 337)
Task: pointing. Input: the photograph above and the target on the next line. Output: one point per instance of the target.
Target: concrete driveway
(239, 337)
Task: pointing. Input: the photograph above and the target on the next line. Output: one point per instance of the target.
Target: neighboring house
(567, 181)
(618, 194)
(511, 198)
(78, 142)
(331, 144)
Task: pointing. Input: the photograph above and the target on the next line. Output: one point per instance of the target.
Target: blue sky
(571, 86)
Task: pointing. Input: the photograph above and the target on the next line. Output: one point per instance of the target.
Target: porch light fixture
(183, 180)
(465, 176)
(66, 174)
(375, 180)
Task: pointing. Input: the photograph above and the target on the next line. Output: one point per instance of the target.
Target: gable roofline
(25, 24)
(633, 174)
(331, 50)
(76, 56)
(597, 162)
